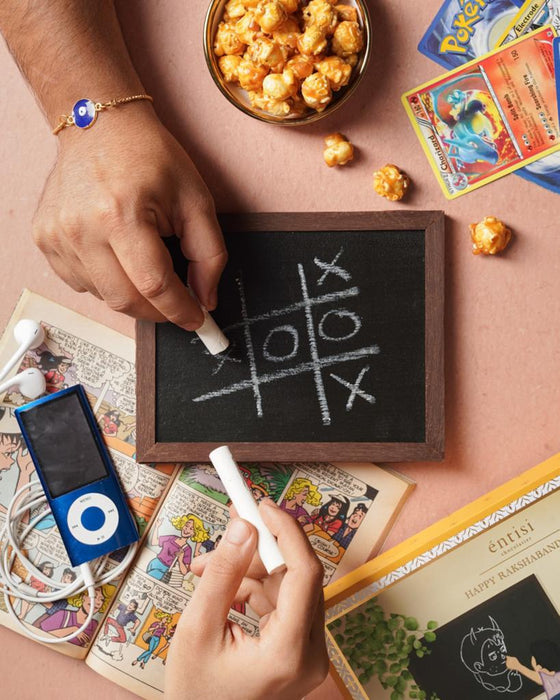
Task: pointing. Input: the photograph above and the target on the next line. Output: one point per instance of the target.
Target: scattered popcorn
(338, 151)
(290, 55)
(390, 182)
(489, 236)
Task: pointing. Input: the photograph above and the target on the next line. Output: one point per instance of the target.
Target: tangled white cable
(12, 538)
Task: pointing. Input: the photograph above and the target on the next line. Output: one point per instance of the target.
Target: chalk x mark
(332, 269)
(355, 389)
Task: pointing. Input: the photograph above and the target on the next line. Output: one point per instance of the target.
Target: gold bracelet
(84, 112)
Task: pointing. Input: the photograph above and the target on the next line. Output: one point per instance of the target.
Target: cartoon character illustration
(301, 491)
(168, 637)
(68, 576)
(153, 636)
(64, 622)
(331, 516)
(483, 652)
(346, 533)
(110, 423)
(54, 368)
(125, 616)
(47, 569)
(176, 548)
(13, 451)
(471, 136)
(545, 666)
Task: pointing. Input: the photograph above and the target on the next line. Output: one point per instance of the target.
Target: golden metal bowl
(239, 97)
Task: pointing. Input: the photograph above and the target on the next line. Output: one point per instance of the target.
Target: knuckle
(122, 305)
(108, 210)
(153, 284)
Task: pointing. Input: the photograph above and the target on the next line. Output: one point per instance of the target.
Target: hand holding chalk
(246, 506)
(210, 334)
(288, 658)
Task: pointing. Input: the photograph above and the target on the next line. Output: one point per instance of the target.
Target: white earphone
(29, 335)
(31, 383)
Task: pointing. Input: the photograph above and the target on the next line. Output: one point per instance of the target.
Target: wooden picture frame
(431, 449)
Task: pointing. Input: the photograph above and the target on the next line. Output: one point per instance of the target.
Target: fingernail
(212, 301)
(238, 532)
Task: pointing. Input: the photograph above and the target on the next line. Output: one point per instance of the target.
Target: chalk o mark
(340, 313)
(281, 358)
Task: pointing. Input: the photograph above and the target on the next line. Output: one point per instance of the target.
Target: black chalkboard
(329, 335)
(467, 660)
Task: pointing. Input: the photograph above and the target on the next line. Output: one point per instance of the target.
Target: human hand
(289, 657)
(113, 193)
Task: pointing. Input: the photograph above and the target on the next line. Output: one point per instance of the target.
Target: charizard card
(489, 117)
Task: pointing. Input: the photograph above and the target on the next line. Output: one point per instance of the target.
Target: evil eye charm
(84, 113)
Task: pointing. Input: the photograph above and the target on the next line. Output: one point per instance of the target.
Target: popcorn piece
(250, 75)
(352, 60)
(287, 34)
(390, 182)
(301, 65)
(278, 108)
(280, 86)
(489, 236)
(233, 10)
(270, 15)
(336, 70)
(338, 151)
(247, 28)
(347, 39)
(227, 41)
(290, 5)
(268, 53)
(346, 13)
(312, 41)
(320, 14)
(316, 91)
(229, 66)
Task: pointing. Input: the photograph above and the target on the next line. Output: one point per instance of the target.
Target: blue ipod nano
(77, 474)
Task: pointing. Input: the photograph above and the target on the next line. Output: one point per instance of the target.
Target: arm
(289, 658)
(154, 538)
(119, 186)
(514, 664)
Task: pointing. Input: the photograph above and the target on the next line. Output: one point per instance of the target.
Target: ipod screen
(65, 448)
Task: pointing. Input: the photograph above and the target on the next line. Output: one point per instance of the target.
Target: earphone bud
(30, 382)
(29, 335)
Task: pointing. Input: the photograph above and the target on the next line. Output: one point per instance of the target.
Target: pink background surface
(502, 313)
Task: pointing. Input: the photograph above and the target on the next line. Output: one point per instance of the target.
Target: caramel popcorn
(287, 34)
(347, 39)
(251, 76)
(312, 41)
(290, 55)
(265, 52)
(390, 182)
(346, 13)
(280, 86)
(321, 15)
(301, 65)
(489, 236)
(247, 28)
(316, 91)
(290, 5)
(338, 151)
(229, 66)
(233, 10)
(336, 70)
(227, 41)
(279, 108)
(270, 15)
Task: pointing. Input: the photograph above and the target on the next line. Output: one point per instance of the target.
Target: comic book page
(343, 509)
(75, 350)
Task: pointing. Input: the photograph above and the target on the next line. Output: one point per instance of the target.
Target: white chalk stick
(211, 335)
(247, 508)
